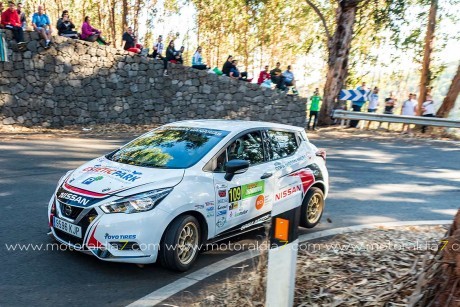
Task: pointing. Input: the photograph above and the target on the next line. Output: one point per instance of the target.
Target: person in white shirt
(427, 109)
(158, 48)
(373, 103)
(409, 108)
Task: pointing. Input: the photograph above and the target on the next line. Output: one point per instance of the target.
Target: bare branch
(321, 16)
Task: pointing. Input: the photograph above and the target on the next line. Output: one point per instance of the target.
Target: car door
(286, 154)
(246, 196)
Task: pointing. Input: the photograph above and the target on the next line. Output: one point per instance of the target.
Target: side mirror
(235, 167)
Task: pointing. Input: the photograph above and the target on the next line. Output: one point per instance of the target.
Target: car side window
(246, 147)
(281, 144)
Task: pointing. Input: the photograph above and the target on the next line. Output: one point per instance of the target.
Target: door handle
(266, 175)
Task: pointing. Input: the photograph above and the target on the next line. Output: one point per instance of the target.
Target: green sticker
(252, 189)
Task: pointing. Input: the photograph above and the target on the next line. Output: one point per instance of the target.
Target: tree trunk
(112, 21)
(425, 79)
(124, 17)
(451, 97)
(136, 16)
(339, 48)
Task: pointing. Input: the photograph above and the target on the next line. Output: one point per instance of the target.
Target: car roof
(232, 125)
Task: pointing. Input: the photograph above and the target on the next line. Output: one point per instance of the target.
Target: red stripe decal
(93, 242)
(83, 192)
(307, 178)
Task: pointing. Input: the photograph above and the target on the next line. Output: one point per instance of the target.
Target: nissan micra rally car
(166, 193)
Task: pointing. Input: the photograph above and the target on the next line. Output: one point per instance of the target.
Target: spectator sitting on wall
(197, 60)
(170, 57)
(178, 57)
(10, 20)
(22, 16)
(227, 66)
(235, 73)
(65, 26)
(41, 24)
(158, 48)
(130, 41)
(289, 79)
(264, 75)
(277, 77)
(90, 34)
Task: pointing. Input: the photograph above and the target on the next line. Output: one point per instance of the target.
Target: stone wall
(76, 82)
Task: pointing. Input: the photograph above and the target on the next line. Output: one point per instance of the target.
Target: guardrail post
(282, 256)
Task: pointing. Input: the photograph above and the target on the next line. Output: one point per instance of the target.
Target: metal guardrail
(390, 118)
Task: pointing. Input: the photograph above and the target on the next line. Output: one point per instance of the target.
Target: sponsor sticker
(75, 198)
(260, 202)
(126, 175)
(221, 221)
(209, 203)
(246, 191)
(222, 206)
(198, 207)
(288, 192)
(119, 237)
(221, 212)
(222, 193)
(92, 179)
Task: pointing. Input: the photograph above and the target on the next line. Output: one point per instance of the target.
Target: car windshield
(169, 147)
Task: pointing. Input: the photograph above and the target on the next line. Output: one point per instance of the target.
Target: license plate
(67, 227)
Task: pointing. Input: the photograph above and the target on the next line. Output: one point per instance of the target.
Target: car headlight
(137, 203)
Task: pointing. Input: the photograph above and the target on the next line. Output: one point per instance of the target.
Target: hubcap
(314, 208)
(188, 243)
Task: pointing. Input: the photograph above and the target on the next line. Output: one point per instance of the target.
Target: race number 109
(234, 194)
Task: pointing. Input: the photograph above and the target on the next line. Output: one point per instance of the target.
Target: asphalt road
(371, 181)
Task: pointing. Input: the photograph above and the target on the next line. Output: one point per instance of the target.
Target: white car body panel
(194, 190)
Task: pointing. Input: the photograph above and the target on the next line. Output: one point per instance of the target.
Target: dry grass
(381, 267)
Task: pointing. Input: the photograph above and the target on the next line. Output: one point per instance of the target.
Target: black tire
(312, 208)
(181, 255)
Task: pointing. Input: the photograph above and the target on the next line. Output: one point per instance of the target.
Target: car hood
(103, 176)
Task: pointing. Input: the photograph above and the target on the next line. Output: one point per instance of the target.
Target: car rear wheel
(312, 208)
(180, 245)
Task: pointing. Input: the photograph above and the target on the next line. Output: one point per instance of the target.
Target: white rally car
(168, 192)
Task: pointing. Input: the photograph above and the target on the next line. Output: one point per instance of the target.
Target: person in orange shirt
(11, 21)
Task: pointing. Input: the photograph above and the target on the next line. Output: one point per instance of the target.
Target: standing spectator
(197, 60)
(22, 16)
(409, 108)
(158, 48)
(90, 34)
(277, 77)
(373, 103)
(314, 108)
(264, 75)
(427, 109)
(389, 107)
(10, 20)
(41, 24)
(227, 66)
(357, 105)
(130, 41)
(65, 26)
(289, 79)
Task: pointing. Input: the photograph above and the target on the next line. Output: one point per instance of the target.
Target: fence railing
(390, 118)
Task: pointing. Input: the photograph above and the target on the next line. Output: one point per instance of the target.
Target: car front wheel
(312, 208)
(180, 245)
